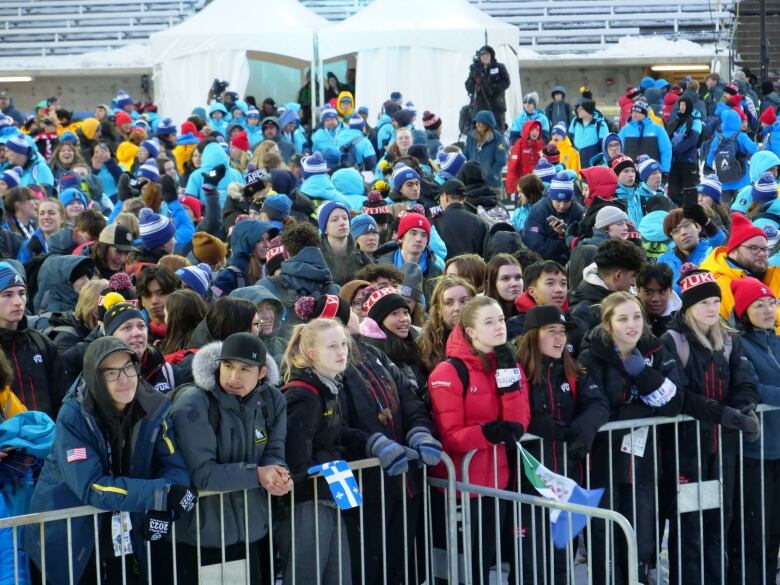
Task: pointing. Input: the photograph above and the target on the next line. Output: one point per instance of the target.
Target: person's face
(330, 352)
(12, 302)
(549, 289)
(196, 157)
(126, 127)
(26, 210)
(368, 242)
(654, 298)
(489, 329)
(253, 121)
(683, 106)
(626, 325)
(338, 224)
(706, 200)
(384, 282)
(217, 116)
(534, 133)
(654, 180)
(403, 140)
(330, 123)
(254, 214)
(399, 322)
(15, 158)
(143, 155)
(4, 102)
(290, 128)
(613, 149)
(80, 282)
(410, 190)
(482, 127)
(121, 391)
(238, 378)
(624, 280)
(561, 206)
(762, 313)
(238, 114)
(529, 107)
(557, 138)
(266, 317)
(637, 116)
(49, 219)
(115, 259)
(169, 168)
(100, 114)
(133, 332)
(3, 156)
(67, 154)
(710, 83)
(414, 241)
(509, 282)
(618, 229)
(234, 152)
(154, 301)
(627, 177)
(753, 255)
(686, 235)
(484, 58)
(452, 301)
(262, 246)
(72, 210)
(552, 340)
(706, 313)
(270, 131)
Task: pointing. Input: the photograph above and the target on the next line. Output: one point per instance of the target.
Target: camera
(217, 87)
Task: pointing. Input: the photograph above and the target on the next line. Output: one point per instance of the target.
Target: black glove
(156, 525)
(664, 178)
(503, 431)
(696, 214)
(744, 420)
(507, 379)
(181, 499)
(548, 427)
(576, 447)
(126, 188)
(168, 187)
(213, 177)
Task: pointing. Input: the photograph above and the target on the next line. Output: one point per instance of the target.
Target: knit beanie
(401, 174)
(209, 249)
(410, 221)
(711, 186)
(149, 170)
(121, 284)
(328, 111)
(350, 289)
(559, 129)
(551, 153)
(10, 277)
(194, 204)
(646, 167)
(376, 206)
(622, 163)
(313, 165)
(89, 127)
(122, 100)
(117, 313)
(276, 254)
(769, 117)
(196, 278)
(747, 291)
(412, 287)
(253, 112)
(325, 210)
(156, 230)
(324, 307)
(608, 215)
(356, 122)
(545, 170)
(166, 127)
(696, 285)
(431, 121)
(121, 118)
(449, 163)
(152, 147)
(764, 189)
(561, 187)
(240, 141)
(641, 106)
(12, 177)
(362, 224)
(382, 302)
(277, 208)
(332, 156)
(741, 231)
(18, 144)
(68, 196)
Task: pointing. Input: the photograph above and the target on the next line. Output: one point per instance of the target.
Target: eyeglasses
(685, 225)
(112, 374)
(357, 305)
(757, 250)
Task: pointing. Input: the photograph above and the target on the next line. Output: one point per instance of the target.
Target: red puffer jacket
(458, 415)
(524, 156)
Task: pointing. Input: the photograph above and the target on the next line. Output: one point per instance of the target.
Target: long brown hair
(431, 341)
(491, 277)
(185, 310)
(530, 357)
(471, 267)
(468, 318)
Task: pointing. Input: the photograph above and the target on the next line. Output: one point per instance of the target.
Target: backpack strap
(572, 380)
(728, 345)
(682, 345)
(301, 384)
(463, 373)
(240, 278)
(213, 414)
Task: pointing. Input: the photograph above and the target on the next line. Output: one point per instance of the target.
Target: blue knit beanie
(313, 165)
(561, 187)
(9, 277)
(68, 196)
(166, 127)
(326, 209)
(149, 170)
(711, 186)
(545, 170)
(401, 174)
(765, 189)
(156, 230)
(363, 224)
(196, 278)
(646, 167)
(449, 164)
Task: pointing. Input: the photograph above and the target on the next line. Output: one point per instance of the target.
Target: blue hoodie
(384, 131)
(55, 290)
(517, 125)
(324, 138)
(762, 349)
(213, 155)
(239, 120)
(220, 126)
(633, 202)
(365, 155)
(602, 158)
(321, 187)
(243, 240)
(491, 155)
(349, 182)
(772, 138)
(732, 126)
(588, 139)
(297, 137)
(647, 137)
(760, 163)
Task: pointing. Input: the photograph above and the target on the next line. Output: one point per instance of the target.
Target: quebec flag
(341, 482)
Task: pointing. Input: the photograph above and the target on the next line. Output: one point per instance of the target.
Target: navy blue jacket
(491, 155)
(540, 237)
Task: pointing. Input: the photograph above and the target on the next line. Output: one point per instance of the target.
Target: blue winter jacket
(320, 187)
(213, 155)
(760, 163)
(696, 257)
(762, 349)
(323, 138)
(732, 126)
(772, 138)
(517, 125)
(540, 237)
(349, 182)
(587, 139)
(647, 137)
(520, 216)
(633, 202)
(55, 290)
(37, 172)
(685, 149)
(243, 240)
(365, 155)
(221, 125)
(491, 155)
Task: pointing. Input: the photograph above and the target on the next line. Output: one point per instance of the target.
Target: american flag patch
(77, 454)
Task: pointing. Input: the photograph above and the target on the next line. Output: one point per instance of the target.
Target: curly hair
(299, 236)
(614, 254)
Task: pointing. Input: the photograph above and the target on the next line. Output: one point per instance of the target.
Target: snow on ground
(651, 47)
(130, 56)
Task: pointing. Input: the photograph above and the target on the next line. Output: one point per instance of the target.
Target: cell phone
(551, 219)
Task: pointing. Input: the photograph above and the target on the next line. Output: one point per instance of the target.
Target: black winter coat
(541, 238)
(488, 85)
(584, 302)
(463, 232)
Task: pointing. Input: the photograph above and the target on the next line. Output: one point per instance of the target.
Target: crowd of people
(221, 303)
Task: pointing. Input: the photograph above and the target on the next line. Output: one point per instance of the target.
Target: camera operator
(487, 82)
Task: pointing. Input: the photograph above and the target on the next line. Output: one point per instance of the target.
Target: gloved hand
(576, 447)
(664, 179)
(156, 525)
(747, 422)
(392, 456)
(634, 363)
(677, 139)
(421, 440)
(696, 214)
(507, 373)
(181, 499)
(548, 427)
(213, 177)
(661, 396)
(126, 188)
(503, 431)
(168, 188)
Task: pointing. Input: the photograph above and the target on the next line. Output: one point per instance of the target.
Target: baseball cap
(118, 236)
(244, 347)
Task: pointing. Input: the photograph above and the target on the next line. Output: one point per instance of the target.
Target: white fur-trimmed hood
(204, 367)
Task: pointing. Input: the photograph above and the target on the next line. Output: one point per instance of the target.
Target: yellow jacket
(654, 117)
(724, 272)
(346, 113)
(570, 157)
(10, 405)
(182, 152)
(125, 154)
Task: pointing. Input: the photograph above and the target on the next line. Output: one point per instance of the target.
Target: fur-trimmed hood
(204, 367)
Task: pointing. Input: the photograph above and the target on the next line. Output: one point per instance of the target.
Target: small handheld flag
(562, 489)
(341, 482)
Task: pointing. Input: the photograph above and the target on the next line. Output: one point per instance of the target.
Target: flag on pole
(341, 482)
(562, 489)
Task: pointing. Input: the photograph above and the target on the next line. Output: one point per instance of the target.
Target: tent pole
(322, 80)
(313, 81)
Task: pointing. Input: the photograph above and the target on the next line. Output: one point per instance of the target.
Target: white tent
(422, 48)
(220, 40)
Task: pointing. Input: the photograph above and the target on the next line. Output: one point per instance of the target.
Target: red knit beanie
(741, 231)
(747, 291)
(769, 116)
(414, 220)
(241, 141)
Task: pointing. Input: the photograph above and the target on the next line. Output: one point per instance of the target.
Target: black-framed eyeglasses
(112, 374)
(756, 250)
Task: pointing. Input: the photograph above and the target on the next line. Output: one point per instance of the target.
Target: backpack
(494, 215)
(240, 278)
(729, 165)
(684, 348)
(31, 269)
(463, 375)
(42, 324)
(349, 154)
(213, 408)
